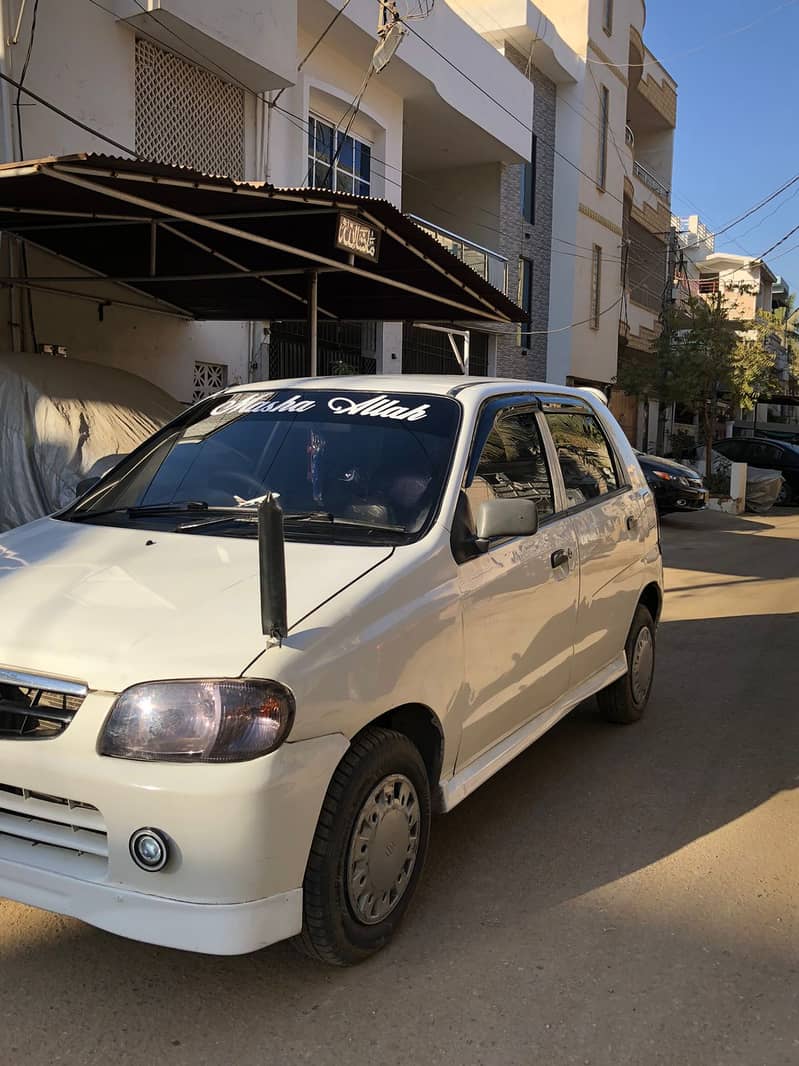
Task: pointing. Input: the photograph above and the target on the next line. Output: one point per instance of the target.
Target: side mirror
(85, 485)
(505, 518)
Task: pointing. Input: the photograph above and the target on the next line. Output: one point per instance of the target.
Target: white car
(241, 672)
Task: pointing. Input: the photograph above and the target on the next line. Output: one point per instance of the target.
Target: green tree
(692, 362)
(754, 358)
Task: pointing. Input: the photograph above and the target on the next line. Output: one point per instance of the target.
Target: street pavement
(617, 895)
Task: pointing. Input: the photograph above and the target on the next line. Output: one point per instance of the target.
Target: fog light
(149, 849)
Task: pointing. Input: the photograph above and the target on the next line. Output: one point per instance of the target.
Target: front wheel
(625, 700)
(368, 850)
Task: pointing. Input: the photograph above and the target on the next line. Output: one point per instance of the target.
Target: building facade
(262, 92)
(606, 115)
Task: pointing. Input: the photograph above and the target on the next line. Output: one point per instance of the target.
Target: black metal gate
(340, 349)
(426, 351)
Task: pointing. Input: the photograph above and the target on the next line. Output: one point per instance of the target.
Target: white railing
(651, 182)
(629, 136)
(490, 265)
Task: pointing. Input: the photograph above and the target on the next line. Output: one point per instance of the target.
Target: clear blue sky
(737, 117)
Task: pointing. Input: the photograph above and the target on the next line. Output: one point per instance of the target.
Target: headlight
(198, 721)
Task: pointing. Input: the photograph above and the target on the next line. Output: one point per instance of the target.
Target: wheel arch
(652, 599)
(421, 725)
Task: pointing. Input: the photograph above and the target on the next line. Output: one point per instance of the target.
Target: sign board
(357, 237)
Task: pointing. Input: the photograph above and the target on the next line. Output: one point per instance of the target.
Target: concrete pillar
(738, 486)
(389, 348)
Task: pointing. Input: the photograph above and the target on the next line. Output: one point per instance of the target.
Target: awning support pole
(313, 317)
(153, 247)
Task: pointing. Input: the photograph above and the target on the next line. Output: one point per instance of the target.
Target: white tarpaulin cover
(762, 486)
(59, 419)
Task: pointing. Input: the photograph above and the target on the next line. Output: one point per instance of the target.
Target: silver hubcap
(642, 665)
(383, 849)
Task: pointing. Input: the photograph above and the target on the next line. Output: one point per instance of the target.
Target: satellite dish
(387, 45)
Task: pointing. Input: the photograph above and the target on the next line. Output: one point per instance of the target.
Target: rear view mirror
(505, 518)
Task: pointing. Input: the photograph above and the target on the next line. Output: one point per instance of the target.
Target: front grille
(36, 823)
(36, 708)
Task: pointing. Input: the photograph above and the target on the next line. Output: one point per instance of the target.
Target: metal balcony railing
(651, 182)
(491, 266)
(629, 136)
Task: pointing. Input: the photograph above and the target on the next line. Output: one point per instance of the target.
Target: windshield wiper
(325, 517)
(147, 509)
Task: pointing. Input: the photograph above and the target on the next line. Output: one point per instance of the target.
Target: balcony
(491, 266)
(249, 42)
(651, 182)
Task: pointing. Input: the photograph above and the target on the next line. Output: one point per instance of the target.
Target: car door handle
(632, 521)
(561, 557)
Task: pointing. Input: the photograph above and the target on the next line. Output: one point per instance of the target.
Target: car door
(608, 521)
(519, 598)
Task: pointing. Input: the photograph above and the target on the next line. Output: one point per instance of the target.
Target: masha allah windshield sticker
(381, 406)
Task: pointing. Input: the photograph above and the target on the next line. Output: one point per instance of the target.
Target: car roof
(471, 390)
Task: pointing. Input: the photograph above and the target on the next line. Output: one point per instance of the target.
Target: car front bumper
(212, 928)
(669, 497)
(239, 836)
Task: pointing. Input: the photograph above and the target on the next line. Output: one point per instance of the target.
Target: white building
(250, 90)
(613, 131)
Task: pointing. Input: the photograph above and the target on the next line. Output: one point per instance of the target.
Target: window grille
(208, 379)
(187, 116)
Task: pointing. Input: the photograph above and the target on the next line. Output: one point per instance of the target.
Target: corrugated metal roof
(214, 234)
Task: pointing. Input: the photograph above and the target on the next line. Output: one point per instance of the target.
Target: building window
(604, 121)
(525, 299)
(528, 185)
(187, 116)
(208, 379)
(607, 17)
(596, 287)
(347, 168)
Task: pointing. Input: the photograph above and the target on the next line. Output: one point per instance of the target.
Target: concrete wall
(465, 201)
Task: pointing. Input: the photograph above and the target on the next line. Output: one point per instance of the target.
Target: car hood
(656, 462)
(112, 606)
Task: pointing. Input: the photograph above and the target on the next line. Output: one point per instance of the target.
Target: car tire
(368, 850)
(785, 496)
(625, 700)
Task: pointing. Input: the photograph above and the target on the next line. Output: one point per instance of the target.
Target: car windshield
(342, 463)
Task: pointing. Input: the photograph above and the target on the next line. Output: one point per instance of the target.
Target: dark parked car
(763, 453)
(675, 487)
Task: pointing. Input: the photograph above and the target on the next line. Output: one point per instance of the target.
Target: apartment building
(605, 119)
(276, 92)
(747, 286)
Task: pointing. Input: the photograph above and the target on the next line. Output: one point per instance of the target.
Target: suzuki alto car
(241, 672)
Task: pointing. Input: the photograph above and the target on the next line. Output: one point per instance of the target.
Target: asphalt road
(618, 895)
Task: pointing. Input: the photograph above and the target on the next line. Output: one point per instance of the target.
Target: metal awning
(212, 248)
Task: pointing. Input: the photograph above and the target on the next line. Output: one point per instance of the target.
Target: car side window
(734, 450)
(585, 457)
(761, 454)
(513, 464)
